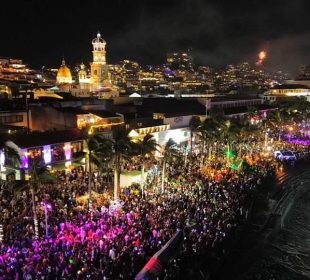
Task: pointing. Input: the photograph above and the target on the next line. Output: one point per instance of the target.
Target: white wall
(177, 122)
(178, 135)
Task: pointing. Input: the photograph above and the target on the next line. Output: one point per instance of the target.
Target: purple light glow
(47, 205)
(303, 142)
(47, 154)
(24, 159)
(67, 148)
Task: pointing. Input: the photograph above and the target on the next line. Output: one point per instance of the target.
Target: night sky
(219, 32)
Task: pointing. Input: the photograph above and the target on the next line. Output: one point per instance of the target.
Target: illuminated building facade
(57, 147)
(5, 91)
(98, 121)
(237, 78)
(83, 79)
(98, 83)
(285, 91)
(18, 77)
(99, 68)
(180, 61)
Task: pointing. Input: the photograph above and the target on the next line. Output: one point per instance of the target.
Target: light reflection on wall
(2, 159)
(24, 159)
(47, 154)
(67, 149)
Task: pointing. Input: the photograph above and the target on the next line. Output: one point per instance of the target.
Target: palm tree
(97, 153)
(288, 109)
(216, 126)
(208, 132)
(12, 158)
(194, 124)
(37, 170)
(273, 119)
(230, 132)
(121, 147)
(169, 153)
(145, 147)
(299, 107)
(252, 111)
(217, 115)
(247, 133)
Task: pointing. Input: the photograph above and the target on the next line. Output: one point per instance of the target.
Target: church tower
(99, 68)
(83, 80)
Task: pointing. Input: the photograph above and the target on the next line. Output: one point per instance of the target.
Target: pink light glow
(67, 148)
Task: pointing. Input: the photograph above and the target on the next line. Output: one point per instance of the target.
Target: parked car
(285, 155)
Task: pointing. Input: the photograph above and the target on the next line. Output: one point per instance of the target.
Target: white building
(286, 91)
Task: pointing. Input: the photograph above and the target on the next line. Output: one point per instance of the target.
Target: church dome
(64, 74)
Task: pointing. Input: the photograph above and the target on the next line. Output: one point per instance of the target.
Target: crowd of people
(204, 196)
(115, 240)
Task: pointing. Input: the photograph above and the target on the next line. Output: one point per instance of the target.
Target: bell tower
(83, 80)
(99, 68)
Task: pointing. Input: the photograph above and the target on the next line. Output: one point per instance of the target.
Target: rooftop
(291, 86)
(145, 122)
(233, 97)
(79, 111)
(36, 139)
(186, 106)
(244, 109)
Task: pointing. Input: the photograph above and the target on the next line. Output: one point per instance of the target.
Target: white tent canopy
(135, 95)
